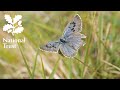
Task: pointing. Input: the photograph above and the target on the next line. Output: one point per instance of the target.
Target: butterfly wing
(74, 26)
(75, 40)
(72, 45)
(51, 47)
(67, 51)
(72, 36)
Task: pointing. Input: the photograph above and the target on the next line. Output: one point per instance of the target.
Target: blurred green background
(100, 55)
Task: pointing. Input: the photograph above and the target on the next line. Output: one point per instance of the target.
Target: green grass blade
(89, 67)
(54, 70)
(34, 67)
(43, 70)
(100, 52)
(70, 68)
(86, 54)
(25, 61)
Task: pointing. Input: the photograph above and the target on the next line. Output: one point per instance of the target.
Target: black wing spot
(48, 46)
(73, 30)
(53, 46)
(74, 24)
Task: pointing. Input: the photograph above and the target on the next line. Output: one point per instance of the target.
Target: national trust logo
(13, 26)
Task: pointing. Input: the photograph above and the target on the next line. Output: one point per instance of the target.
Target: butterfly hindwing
(75, 41)
(67, 51)
(72, 45)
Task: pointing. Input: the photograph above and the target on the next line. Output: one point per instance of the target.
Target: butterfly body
(62, 40)
(70, 41)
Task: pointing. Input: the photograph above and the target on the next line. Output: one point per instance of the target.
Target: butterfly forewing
(74, 26)
(51, 47)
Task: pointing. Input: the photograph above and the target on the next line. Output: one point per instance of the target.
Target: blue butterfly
(70, 41)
